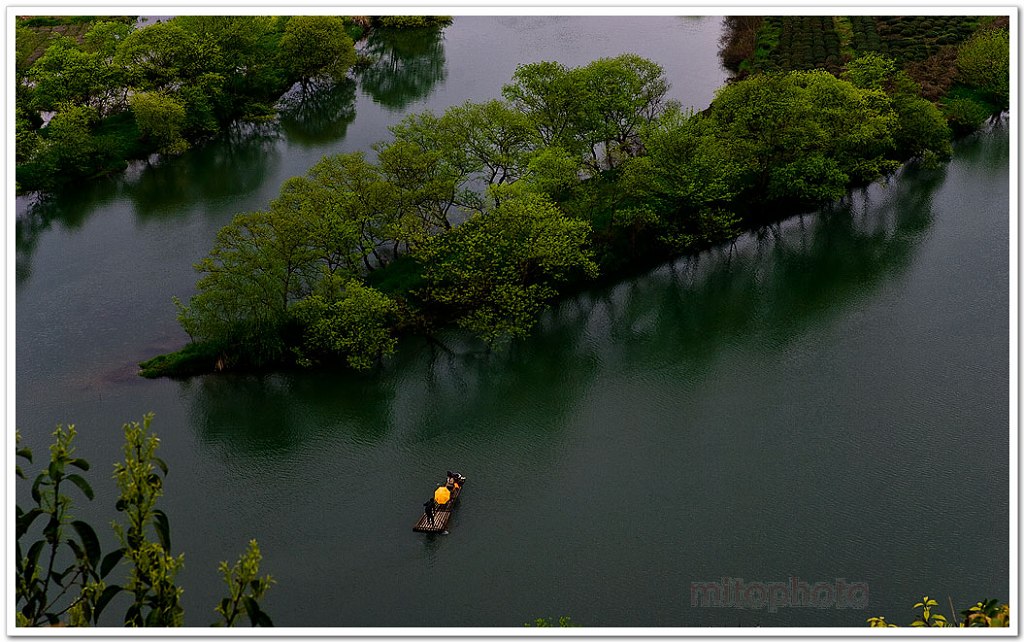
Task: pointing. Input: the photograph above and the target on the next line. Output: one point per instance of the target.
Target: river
(825, 401)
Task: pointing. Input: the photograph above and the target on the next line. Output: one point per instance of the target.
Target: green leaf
(163, 529)
(133, 615)
(80, 463)
(40, 481)
(120, 505)
(56, 469)
(26, 453)
(25, 521)
(83, 485)
(51, 528)
(256, 616)
(110, 561)
(76, 549)
(160, 464)
(90, 541)
(33, 557)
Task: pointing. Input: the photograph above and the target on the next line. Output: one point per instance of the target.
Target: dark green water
(828, 399)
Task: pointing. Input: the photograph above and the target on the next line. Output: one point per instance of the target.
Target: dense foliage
(958, 62)
(481, 215)
(118, 92)
(984, 614)
(61, 575)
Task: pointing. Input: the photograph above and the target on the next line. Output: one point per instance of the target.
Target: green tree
(690, 163)
(919, 130)
(553, 98)
(26, 138)
(430, 188)
(596, 110)
(922, 130)
(983, 62)
(624, 94)
(104, 36)
(165, 56)
(552, 171)
(315, 46)
(70, 147)
(248, 65)
(358, 211)
(493, 136)
(352, 321)
(260, 264)
(160, 117)
(496, 270)
(805, 135)
(964, 115)
(872, 70)
(101, 42)
(65, 74)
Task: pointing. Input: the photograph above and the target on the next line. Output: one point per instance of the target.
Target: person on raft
(428, 508)
(454, 480)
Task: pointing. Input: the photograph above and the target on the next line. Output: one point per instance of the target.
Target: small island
(482, 215)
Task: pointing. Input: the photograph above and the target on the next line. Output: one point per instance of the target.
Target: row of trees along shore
(482, 215)
(115, 92)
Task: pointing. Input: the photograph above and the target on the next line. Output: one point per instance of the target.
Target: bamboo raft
(442, 514)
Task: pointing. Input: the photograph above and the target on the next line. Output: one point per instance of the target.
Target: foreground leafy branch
(62, 579)
(987, 613)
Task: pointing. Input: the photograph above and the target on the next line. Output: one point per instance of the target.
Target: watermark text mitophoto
(733, 592)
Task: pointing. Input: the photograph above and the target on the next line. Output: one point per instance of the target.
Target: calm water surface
(827, 399)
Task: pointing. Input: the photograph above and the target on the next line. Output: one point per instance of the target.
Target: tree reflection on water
(406, 66)
(319, 115)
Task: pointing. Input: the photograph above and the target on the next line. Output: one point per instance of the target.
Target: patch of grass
(193, 359)
(974, 95)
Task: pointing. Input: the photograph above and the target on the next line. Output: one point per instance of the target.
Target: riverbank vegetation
(481, 215)
(93, 94)
(940, 53)
(62, 577)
